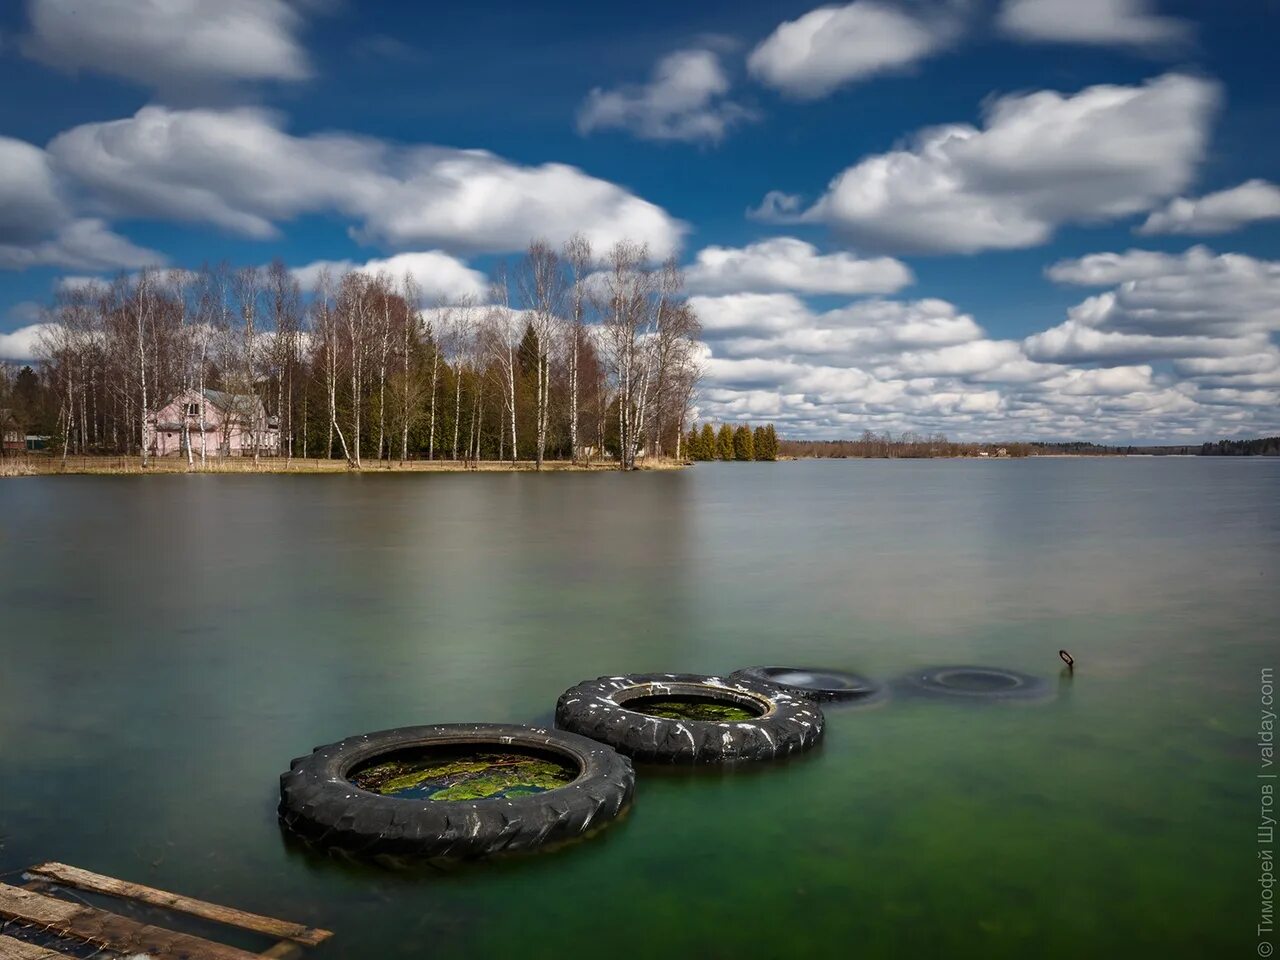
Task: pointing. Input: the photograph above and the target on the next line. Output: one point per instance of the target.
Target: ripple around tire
(976, 683)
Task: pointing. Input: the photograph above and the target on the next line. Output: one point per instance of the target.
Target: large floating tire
(775, 723)
(976, 683)
(319, 801)
(821, 685)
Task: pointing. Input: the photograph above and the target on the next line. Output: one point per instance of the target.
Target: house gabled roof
(226, 401)
(231, 401)
(238, 404)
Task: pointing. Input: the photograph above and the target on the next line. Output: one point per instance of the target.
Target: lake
(169, 643)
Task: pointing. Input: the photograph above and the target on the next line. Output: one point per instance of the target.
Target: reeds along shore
(31, 466)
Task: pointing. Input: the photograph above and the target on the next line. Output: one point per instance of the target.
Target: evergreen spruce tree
(743, 445)
(724, 442)
(708, 442)
(692, 443)
(759, 444)
(770, 451)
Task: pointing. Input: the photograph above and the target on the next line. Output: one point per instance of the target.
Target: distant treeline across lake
(910, 445)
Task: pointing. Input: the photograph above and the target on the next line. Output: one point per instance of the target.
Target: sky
(994, 219)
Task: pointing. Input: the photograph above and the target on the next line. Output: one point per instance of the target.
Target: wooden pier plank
(97, 883)
(284, 950)
(11, 949)
(109, 930)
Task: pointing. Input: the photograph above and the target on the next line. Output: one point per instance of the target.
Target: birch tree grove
(580, 358)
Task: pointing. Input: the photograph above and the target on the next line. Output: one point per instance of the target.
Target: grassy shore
(46, 465)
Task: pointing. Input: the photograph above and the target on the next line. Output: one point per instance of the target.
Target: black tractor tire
(817, 684)
(597, 709)
(319, 803)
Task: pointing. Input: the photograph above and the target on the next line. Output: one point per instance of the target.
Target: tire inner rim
(693, 702)
(454, 772)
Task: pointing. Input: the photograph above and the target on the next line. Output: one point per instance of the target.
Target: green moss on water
(473, 777)
(691, 708)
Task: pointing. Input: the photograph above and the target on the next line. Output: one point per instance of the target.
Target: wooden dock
(34, 907)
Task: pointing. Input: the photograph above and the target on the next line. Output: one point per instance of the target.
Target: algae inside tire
(431, 776)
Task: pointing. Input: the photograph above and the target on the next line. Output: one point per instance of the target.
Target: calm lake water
(168, 643)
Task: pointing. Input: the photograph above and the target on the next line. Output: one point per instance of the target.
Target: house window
(193, 409)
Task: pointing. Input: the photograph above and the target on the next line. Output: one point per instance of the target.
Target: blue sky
(930, 162)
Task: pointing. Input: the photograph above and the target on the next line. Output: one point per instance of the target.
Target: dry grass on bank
(44, 465)
(16, 467)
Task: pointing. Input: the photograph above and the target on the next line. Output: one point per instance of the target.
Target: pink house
(235, 424)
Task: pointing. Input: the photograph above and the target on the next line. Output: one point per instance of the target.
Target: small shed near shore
(13, 436)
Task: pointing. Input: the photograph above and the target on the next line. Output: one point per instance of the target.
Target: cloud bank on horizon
(871, 238)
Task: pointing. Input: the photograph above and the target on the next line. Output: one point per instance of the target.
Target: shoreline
(132, 466)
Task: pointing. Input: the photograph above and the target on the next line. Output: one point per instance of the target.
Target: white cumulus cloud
(1197, 304)
(831, 46)
(1219, 212)
(1182, 346)
(686, 99)
(84, 244)
(788, 264)
(38, 228)
(170, 44)
(1099, 22)
(1040, 160)
(240, 170)
(438, 276)
(30, 203)
(20, 345)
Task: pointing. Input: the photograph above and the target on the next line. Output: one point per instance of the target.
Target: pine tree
(759, 444)
(724, 442)
(743, 445)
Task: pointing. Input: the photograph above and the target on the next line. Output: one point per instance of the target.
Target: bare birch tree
(577, 254)
(542, 288)
(286, 320)
(328, 331)
(502, 331)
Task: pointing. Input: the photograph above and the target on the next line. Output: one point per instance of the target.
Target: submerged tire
(319, 802)
(816, 684)
(976, 683)
(782, 724)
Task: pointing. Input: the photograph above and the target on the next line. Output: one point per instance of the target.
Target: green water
(167, 644)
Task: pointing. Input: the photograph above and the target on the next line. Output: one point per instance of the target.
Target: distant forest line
(914, 446)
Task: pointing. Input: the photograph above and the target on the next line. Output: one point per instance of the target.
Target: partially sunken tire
(977, 683)
(816, 684)
(320, 803)
(783, 724)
